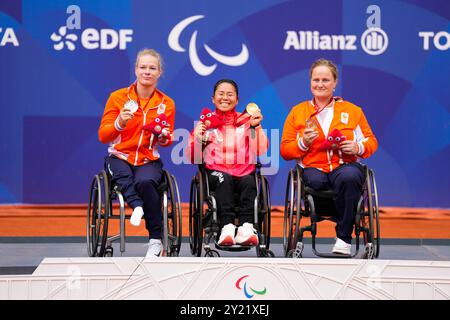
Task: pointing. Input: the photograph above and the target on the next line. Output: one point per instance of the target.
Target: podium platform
(186, 278)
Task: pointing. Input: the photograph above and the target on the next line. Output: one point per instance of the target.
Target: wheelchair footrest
(333, 255)
(235, 247)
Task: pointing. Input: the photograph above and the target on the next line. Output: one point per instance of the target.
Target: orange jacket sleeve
(289, 148)
(369, 141)
(109, 129)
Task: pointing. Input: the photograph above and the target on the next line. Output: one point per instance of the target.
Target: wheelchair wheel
(292, 210)
(196, 213)
(171, 216)
(177, 228)
(264, 212)
(375, 213)
(97, 215)
(370, 216)
(212, 253)
(192, 221)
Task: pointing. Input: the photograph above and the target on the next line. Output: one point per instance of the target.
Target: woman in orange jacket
(128, 126)
(326, 136)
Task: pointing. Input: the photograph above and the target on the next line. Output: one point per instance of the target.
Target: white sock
(136, 217)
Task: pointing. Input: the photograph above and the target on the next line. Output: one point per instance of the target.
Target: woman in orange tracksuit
(324, 165)
(133, 159)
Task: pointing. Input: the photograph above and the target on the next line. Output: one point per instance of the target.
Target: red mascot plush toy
(209, 119)
(332, 142)
(157, 127)
(212, 122)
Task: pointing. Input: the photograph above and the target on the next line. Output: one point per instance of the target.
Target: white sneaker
(155, 248)
(136, 216)
(227, 235)
(246, 235)
(342, 247)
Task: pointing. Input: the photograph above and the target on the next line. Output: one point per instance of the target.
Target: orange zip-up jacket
(132, 143)
(347, 117)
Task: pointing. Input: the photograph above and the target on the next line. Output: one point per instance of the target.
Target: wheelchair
(100, 210)
(204, 224)
(302, 201)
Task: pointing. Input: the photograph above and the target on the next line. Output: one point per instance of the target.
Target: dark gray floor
(21, 255)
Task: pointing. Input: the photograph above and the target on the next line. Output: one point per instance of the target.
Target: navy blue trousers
(346, 181)
(225, 186)
(139, 186)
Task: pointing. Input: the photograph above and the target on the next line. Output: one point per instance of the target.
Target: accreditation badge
(161, 108)
(344, 117)
(131, 105)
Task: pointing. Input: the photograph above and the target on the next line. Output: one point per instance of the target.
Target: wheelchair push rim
(196, 214)
(97, 215)
(370, 217)
(292, 211)
(171, 217)
(264, 214)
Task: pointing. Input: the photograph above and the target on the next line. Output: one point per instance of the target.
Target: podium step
(186, 278)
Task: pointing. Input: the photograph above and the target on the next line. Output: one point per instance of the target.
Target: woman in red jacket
(326, 136)
(229, 156)
(133, 159)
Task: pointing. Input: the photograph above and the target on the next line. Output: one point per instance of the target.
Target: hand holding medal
(255, 114)
(252, 113)
(126, 113)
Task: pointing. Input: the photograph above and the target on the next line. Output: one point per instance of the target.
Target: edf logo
(91, 38)
(374, 40)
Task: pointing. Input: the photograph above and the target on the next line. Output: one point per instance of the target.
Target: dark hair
(234, 84)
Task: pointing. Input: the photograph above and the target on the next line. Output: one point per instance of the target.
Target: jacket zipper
(140, 140)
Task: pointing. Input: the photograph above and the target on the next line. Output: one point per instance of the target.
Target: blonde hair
(150, 52)
(326, 63)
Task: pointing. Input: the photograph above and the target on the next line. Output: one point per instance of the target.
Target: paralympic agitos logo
(249, 291)
(197, 64)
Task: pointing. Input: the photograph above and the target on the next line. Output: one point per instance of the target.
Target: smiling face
(148, 70)
(225, 97)
(323, 82)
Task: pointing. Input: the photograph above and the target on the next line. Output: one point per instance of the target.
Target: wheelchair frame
(204, 223)
(100, 210)
(296, 207)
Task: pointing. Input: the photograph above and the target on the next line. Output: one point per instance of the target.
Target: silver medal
(131, 105)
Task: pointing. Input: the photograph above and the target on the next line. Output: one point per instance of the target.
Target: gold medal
(252, 108)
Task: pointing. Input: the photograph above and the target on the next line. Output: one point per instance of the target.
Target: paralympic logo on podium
(197, 64)
(249, 292)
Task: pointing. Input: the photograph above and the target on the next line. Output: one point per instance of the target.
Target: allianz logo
(374, 41)
(91, 39)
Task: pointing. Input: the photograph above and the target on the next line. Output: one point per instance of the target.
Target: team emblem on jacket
(161, 108)
(344, 117)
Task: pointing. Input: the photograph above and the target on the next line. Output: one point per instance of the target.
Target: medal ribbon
(318, 109)
(133, 86)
